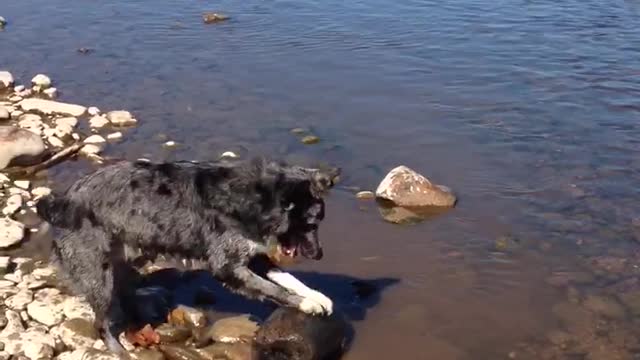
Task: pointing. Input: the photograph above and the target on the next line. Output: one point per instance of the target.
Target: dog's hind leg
(86, 259)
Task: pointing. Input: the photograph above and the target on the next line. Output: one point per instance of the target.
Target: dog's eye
(290, 207)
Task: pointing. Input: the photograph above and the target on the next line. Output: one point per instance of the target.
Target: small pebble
(51, 92)
(170, 144)
(94, 139)
(365, 195)
(93, 111)
(19, 88)
(298, 131)
(114, 136)
(3, 22)
(310, 140)
(229, 154)
(212, 17)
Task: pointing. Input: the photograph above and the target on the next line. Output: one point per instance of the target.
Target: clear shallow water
(529, 110)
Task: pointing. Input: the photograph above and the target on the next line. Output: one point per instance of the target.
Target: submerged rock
(291, 334)
(405, 187)
(605, 306)
(98, 121)
(19, 145)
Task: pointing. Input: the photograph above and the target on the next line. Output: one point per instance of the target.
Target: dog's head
(302, 202)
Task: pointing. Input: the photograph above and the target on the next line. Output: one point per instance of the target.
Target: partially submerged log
(57, 158)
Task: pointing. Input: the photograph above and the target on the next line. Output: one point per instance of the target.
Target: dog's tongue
(289, 251)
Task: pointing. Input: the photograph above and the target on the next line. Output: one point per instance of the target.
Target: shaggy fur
(225, 215)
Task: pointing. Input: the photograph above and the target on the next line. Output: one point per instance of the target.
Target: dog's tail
(62, 212)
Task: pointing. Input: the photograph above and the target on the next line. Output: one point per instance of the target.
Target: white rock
(6, 284)
(16, 114)
(36, 351)
(19, 88)
(170, 144)
(91, 149)
(23, 193)
(6, 79)
(22, 184)
(11, 232)
(229, 154)
(14, 203)
(52, 107)
(77, 307)
(25, 93)
(48, 132)
(115, 136)
(5, 355)
(15, 277)
(77, 333)
(64, 131)
(47, 308)
(42, 81)
(121, 118)
(98, 122)
(14, 324)
(95, 139)
(93, 111)
(19, 301)
(35, 343)
(44, 272)
(5, 261)
(51, 92)
(67, 121)
(4, 178)
(4, 114)
(405, 187)
(88, 354)
(15, 98)
(40, 192)
(27, 120)
(75, 136)
(16, 142)
(55, 141)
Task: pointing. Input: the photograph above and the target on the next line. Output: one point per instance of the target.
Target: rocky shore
(41, 320)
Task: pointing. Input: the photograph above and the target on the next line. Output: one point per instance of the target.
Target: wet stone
(148, 354)
(77, 333)
(213, 17)
(171, 334)
(233, 329)
(187, 316)
(175, 352)
(310, 140)
(227, 351)
(605, 306)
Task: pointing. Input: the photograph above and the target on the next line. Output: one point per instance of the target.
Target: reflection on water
(528, 109)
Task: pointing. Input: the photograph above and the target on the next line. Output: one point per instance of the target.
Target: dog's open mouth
(288, 250)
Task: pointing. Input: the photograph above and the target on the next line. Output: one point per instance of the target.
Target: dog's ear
(324, 179)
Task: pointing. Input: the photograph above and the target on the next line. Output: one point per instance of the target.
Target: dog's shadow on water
(351, 296)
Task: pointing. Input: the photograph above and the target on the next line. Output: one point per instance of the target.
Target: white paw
(323, 300)
(310, 306)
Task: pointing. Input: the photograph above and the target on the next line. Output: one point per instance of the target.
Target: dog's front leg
(244, 281)
(291, 283)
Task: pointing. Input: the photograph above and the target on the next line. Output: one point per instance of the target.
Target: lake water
(529, 110)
